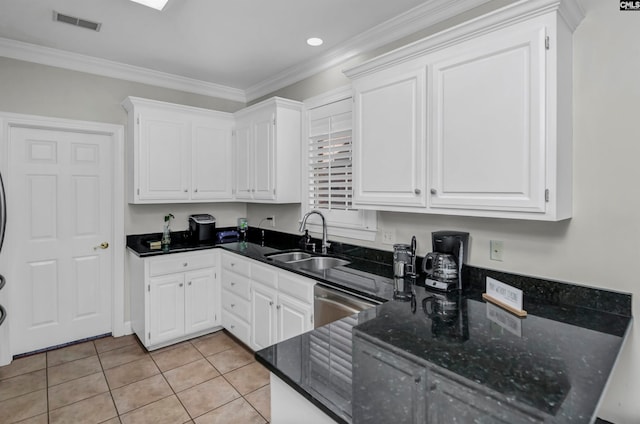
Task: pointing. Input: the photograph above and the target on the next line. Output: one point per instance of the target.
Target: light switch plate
(388, 236)
(496, 250)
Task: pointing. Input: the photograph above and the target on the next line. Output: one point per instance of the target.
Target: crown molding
(427, 14)
(421, 17)
(107, 68)
(499, 18)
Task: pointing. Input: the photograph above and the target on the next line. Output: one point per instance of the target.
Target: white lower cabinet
(263, 320)
(174, 297)
(264, 304)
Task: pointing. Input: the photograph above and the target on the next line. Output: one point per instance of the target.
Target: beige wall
(34, 89)
(599, 245)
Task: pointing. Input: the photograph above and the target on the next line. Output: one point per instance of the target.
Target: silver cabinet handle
(195, 191)
(271, 303)
(180, 285)
(186, 191)
(189, 283)
(278, 307)
(185, 264)
(434, 191)
(233, 284)
(233, 305)
(417, 191)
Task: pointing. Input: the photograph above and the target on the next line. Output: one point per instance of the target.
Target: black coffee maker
(443, 266)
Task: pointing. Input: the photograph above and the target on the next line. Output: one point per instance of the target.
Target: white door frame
(119, 326)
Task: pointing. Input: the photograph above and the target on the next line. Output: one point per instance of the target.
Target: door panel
(244, 162)
(166, 308)
(263, 317)
(390, 140)
(59, 200)
(212, 162)
(294, 318)
(264, 166)
(489, 124)
(199, 300)
(164, 158)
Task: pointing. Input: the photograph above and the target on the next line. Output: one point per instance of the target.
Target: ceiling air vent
(83, 23)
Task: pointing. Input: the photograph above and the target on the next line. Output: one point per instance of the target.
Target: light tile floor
(208, 380)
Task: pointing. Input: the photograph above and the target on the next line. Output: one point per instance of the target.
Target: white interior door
(60, 203)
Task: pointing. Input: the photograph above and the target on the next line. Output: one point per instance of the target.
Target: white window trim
(366, 229)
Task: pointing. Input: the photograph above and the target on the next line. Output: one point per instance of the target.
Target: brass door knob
(103, 245)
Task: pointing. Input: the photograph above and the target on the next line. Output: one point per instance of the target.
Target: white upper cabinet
(491, 102)
(178, 153)
(488, 122)
(267, 165)
(389, 155)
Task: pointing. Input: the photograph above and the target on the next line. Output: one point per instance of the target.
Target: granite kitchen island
(408, 362)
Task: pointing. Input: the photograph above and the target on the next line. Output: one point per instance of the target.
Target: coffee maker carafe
(443, 266)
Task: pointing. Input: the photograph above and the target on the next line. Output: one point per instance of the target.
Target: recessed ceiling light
(156, 4)
(314, 41)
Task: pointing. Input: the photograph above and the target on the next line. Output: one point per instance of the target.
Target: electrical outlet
(388, 237)
(497, 250)
(272, 218)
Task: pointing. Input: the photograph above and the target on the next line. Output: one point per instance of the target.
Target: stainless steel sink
(289, 256)
(320, 263)
(307, 261)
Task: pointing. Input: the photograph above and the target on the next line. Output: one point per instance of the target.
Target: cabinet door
(244, 161)
(389, 140)
(294, 317)
(163, 158)
(263, 128)
(378, 370)
(200, 311)
(212, 166)
(263, 316)
(166, 308)
(488, 148)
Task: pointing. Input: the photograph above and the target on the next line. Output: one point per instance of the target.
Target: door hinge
(149, 335)
(274, 121)
(546, 42)
(311, 319)
(546, 195)
(149, 288)
(138, 119)
(138, 191)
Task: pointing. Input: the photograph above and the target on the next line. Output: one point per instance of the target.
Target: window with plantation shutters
(328, 161)
(330, 170)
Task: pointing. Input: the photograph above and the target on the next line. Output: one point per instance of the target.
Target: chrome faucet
(303, 224)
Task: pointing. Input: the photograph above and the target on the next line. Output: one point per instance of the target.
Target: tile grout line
(104, 374)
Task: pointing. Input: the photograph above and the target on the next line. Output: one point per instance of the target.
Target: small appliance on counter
(404, 261)
(228, 236)
(443, 266)
(202, 228)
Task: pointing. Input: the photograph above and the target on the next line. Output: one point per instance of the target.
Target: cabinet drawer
(236, 326)
(266, 275)
(236, 305)
(299, 287)
(178, 263)
(236, 264)
(237, 284)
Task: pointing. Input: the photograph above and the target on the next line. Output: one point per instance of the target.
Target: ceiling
(242, 46)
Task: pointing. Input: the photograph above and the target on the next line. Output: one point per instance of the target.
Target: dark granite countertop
(468, 362)
(364, 276)
(408, 361)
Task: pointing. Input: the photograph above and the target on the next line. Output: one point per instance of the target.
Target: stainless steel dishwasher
(330, 305)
